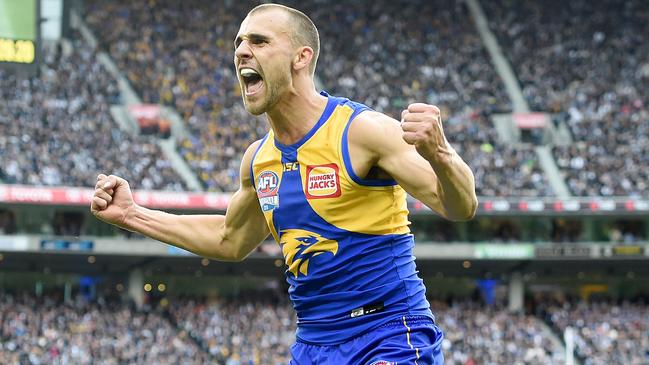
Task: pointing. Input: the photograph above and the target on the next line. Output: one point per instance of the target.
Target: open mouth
(252, 80)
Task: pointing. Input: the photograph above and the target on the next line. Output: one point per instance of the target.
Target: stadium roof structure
(103, 256)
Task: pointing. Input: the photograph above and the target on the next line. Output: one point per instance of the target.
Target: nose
(243, 51)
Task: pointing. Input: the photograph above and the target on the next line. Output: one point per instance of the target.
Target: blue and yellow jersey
(345, 240)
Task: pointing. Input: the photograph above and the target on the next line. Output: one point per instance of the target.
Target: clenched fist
(422, 127)
(113, 200)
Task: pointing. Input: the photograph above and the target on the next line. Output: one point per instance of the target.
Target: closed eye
(253, 38)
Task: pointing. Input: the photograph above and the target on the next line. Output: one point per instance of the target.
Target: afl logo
(268, 182)
(267, 190)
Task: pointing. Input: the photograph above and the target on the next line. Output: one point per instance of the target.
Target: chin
(256, 109)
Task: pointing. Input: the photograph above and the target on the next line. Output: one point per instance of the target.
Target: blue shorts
(408, 340)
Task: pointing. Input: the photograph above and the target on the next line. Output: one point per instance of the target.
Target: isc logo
(291, 166)
(268, 183)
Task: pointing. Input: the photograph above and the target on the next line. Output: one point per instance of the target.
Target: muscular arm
(229, 237)
(428, 169)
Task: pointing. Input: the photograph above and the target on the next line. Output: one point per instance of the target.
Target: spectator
(587, 61)
(405, 58)
(606, 333)
(46, 331)
(56, 129)
(489, 336)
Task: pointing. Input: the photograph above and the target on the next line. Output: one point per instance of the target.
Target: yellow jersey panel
(330, 186)
(345, 240)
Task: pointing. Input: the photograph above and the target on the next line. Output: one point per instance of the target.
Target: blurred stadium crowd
(56, 129)
(589, 74)
(606, 333)
(46, 331)
(190, 68)
(594, 75)
(189, 331)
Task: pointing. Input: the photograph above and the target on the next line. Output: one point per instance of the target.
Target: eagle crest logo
(299, 246)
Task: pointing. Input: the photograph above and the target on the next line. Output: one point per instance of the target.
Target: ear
(302, 58)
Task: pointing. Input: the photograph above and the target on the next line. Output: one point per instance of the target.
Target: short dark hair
(304, 33)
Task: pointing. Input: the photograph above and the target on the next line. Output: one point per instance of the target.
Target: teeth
(247, 72)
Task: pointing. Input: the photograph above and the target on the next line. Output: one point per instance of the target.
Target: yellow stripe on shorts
(408, 337)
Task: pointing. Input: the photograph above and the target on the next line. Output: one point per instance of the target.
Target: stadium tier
(187, 65)
(189, 68)
(192, 70)
(192, 331)
(545, 101)
(44, 330)
(56, 129)
(593, 74)
(430, 52)
(606, 333)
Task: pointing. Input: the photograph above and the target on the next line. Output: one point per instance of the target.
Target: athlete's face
(263, 59)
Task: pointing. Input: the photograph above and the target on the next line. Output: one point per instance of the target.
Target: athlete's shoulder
(373, 129)
(248, 155)
(247, 159)
(358, 107)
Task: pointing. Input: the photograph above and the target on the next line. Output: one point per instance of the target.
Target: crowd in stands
(589, 63)
(249, 332)
(427, 52)
(475, 334)
(56, 128)
(46, 330)
(605, 333)
(187, 65)
(385, 54)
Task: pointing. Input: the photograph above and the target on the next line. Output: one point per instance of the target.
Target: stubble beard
(273, 92)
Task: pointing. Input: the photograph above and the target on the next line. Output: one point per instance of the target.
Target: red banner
(529, 120)
(149, 119)
(20, 194)
(82, 196)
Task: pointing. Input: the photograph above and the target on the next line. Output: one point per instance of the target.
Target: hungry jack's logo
(322, 181)
(299, 246)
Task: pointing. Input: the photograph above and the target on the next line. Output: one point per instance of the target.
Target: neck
(295, 114)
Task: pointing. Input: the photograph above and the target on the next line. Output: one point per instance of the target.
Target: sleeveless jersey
(345, 240)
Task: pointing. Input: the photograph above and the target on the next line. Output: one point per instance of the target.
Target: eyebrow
(252, 37)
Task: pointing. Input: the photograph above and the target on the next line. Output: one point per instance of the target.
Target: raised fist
(113, 200)
(422, 127)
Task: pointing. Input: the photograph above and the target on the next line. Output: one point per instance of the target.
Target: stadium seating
(606, 333)
(46, 331)
(253, 331)
(594, 74)
(56, 129)
(478, 335)
(404, 52)
(43, 330)
(189, 66)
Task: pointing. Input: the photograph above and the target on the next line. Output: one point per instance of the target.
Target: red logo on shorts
(383, 362)
(322, 181)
